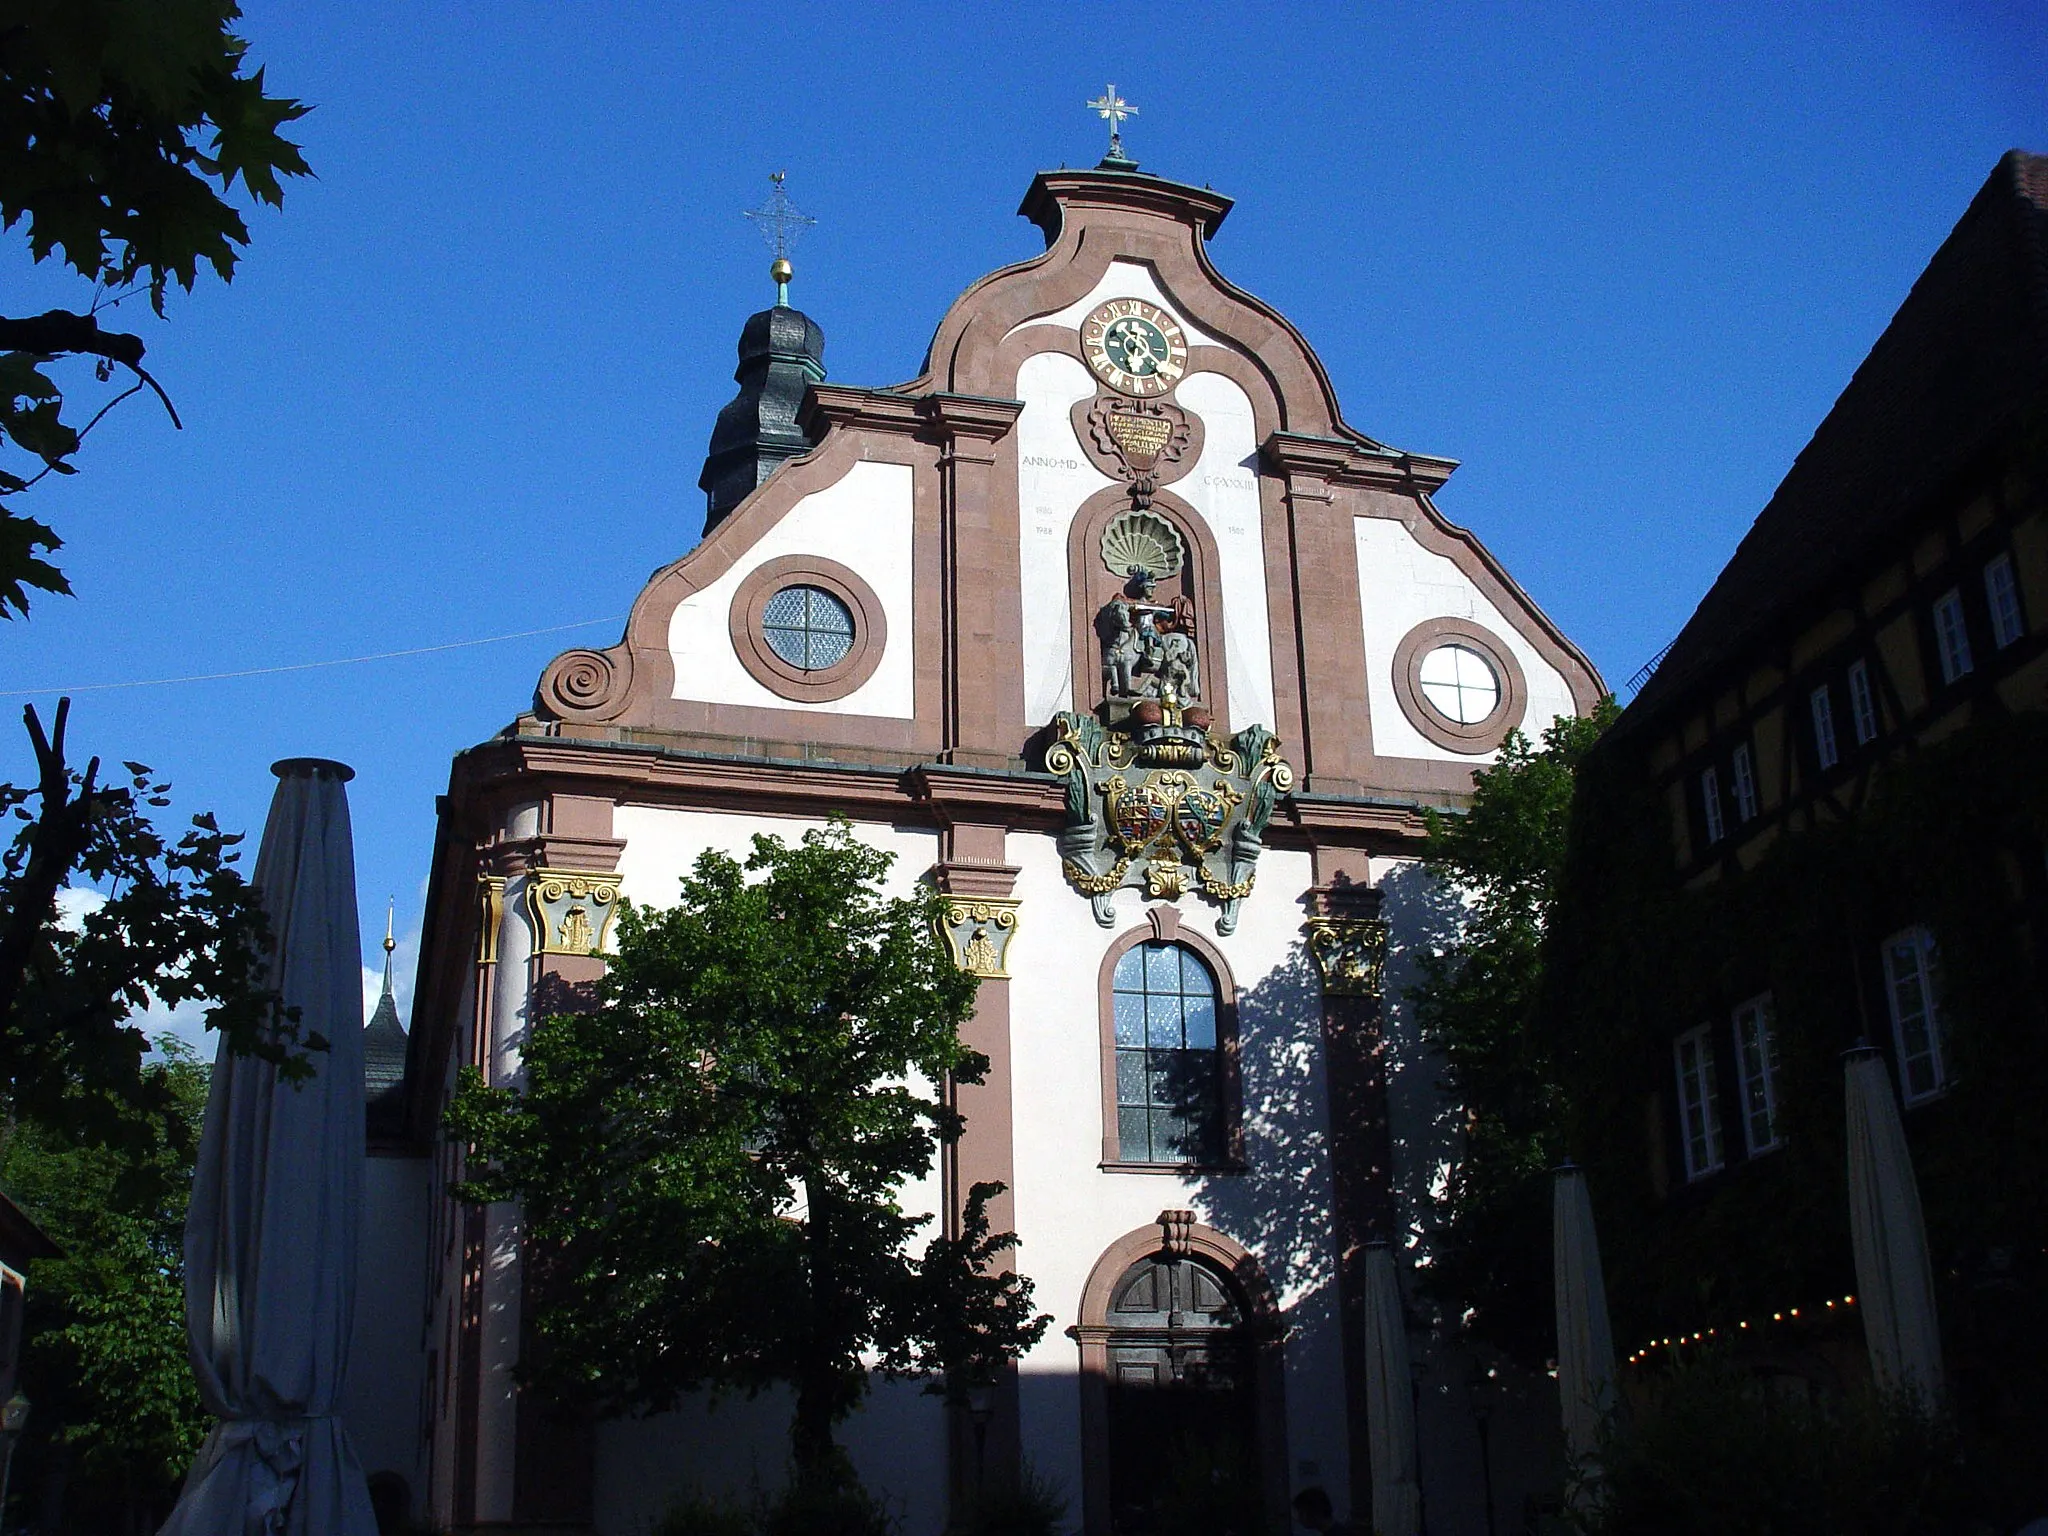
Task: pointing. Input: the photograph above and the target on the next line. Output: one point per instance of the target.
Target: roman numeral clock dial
(1134, 347)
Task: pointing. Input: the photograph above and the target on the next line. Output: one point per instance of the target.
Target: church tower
(1109, 626)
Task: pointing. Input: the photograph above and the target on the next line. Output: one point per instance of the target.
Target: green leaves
(156, 918)
(105, 1361)
(710, 1157)
(104, 108)
(1479, 1004)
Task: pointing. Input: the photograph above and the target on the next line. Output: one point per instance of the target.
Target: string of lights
(1703, 1336)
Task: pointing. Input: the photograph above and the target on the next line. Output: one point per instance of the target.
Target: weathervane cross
(781, 224)
(1113, 109)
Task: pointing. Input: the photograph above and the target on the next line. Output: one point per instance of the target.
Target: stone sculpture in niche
(1149, 659)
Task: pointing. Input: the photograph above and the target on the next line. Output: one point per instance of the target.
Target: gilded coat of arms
(1166, 807)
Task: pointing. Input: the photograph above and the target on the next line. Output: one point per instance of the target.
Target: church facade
(1109, 627)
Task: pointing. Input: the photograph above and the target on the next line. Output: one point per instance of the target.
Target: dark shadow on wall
(1280, 1204)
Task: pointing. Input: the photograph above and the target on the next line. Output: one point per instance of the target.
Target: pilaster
(983, 618)
(1347, 940)
(980, 918)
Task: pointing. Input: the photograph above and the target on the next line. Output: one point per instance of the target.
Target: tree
(117, 1413)
(178, 924)
(1480, 1005)
(104, 105)
(708, 1159)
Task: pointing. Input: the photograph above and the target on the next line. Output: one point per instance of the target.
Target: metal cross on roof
(781, 224)
(1113, 109)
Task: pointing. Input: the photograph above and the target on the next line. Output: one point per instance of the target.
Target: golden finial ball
(781, 270)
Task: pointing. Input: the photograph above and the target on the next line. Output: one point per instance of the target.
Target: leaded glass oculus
(1459, 684)
(808, 627)
(1169, 1068)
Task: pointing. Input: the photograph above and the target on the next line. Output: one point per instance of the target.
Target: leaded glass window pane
(808, 627)
(1168, 1065)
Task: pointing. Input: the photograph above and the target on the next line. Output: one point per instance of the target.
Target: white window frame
(1952, 637)
(1909, 993)
(2001, 590)
(1754, 1024)
(1745, 782)
(1699, 1102)
(1710, 802)
(1862, 703)
(1821, 704)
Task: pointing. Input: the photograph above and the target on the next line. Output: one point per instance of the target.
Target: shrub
(1717, 1454)
(1034, 1505)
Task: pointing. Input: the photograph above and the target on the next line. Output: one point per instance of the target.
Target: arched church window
(1169, 1057)
(808, 627)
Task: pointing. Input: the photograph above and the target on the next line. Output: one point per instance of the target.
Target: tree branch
(59, 330)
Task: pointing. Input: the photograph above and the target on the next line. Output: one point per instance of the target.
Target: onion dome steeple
(782, 354)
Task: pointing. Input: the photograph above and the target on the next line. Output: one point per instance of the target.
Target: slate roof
(1964, 356)
(384, 1068)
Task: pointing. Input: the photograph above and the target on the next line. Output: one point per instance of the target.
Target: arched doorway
(1183, 1413)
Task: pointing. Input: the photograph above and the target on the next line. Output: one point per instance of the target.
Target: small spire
(781, 224)
(390, 914)
(1113, 109)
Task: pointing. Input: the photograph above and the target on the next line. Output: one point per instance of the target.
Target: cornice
(841, 405)
(1342, 462)
(1052, 192)
(938, 794)
(976, 416)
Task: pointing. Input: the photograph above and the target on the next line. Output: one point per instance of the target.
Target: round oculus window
(1459, 684)
(807, 627)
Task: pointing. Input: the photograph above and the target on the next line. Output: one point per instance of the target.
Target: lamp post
(1482, 1391)
(981, 1407)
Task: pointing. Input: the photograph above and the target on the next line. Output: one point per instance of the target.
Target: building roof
(384, 1065)
(1961, 360)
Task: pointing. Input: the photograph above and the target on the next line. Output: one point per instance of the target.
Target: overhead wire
(308, 666)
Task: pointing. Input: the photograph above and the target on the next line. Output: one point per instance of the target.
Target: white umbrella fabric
(1389, 1401)
(1894, 1281)
(270, 1238)
(1585, 1342)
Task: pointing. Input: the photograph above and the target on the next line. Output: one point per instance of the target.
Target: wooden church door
(1183, 1432)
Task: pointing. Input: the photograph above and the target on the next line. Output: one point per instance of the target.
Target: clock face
(1134, 347)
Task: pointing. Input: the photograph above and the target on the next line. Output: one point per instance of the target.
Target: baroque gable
(965, 529)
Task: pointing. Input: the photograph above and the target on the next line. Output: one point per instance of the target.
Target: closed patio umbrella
(1389, 1401)
(270, 1237)
(1894, 1281)
(1585, 1342)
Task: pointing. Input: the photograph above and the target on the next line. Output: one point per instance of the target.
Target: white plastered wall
(1054, 477)
(1400, 584)
(864, 521)
(1119, 280)
(1069, 1210)
(897, 1439)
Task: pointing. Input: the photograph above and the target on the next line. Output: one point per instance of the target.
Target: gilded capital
(1350, 954)
(571, 910)
(977, 931)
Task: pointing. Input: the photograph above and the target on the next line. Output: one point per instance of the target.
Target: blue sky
(1618, 260)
